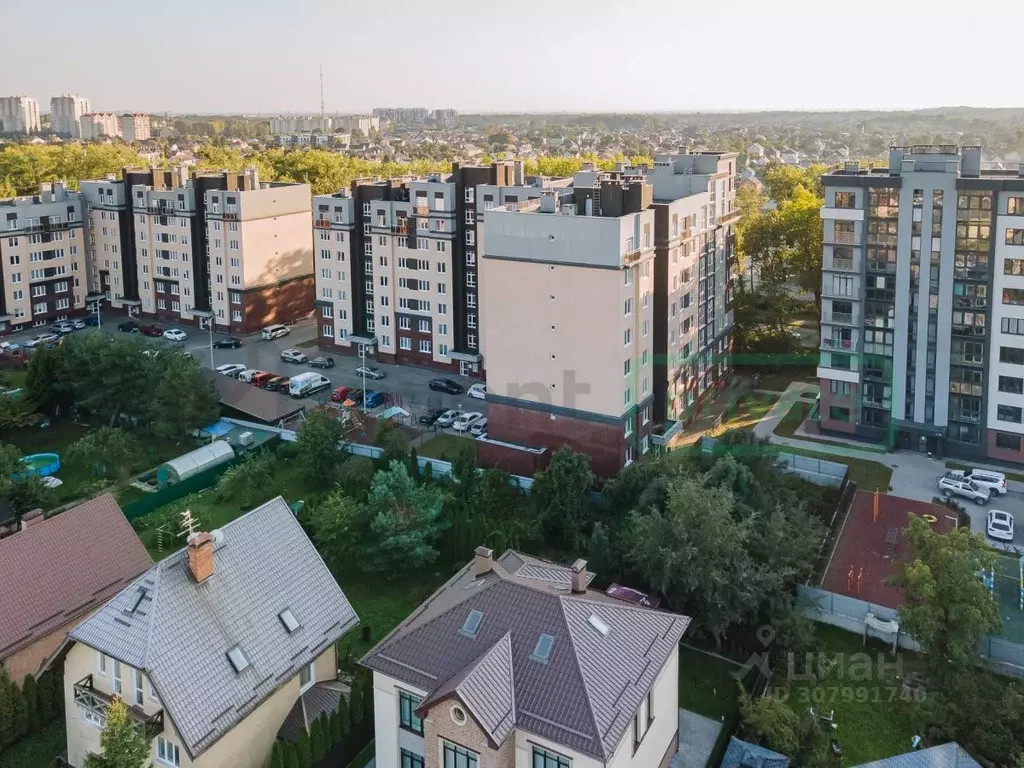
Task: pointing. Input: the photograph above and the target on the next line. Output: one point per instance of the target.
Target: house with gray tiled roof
(516, 661)
(216, 649)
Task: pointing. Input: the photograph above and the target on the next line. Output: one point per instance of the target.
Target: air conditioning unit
(245, 439)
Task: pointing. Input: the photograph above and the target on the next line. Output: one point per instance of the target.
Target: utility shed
(194, 462)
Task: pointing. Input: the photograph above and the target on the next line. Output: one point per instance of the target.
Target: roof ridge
(152, 615)
(583, 680)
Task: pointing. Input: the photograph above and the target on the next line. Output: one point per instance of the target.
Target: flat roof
(268, 407)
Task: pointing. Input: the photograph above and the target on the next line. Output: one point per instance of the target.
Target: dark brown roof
(268, 407)
(59, 568)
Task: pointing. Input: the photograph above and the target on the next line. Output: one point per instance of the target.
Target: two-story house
(515, 663)
(214, 647)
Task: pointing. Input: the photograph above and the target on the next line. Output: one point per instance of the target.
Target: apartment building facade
(66, 113)
(135, 126)
(941, 372)
(19, 114)
(99, 125)
(42, 258)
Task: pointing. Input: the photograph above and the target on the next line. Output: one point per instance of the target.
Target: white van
(306, 384)
(275, 331)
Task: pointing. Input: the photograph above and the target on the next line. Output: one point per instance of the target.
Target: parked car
(479, 428)
(275, 331)
(373, 400)
(340, 394)
(429, 418)
(42, 340)
(985, 478)
(91, 320)
(79, 324)
(151, 330)
(479, 391)
(261, 379)
(1000, 525)
(277, 384)
(446, 418)
(446, 385)
(63, 327)
(466, 420)
(370, 372)
(230, 369)
(248, 374)
(293, 356)
(129, 326)
(229, 343)
(951, 487)
(306, 384)
(321, 362)
(175, 334)
(354, 398)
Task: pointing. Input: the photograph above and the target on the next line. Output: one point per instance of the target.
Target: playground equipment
(988, 578)
(41, 464)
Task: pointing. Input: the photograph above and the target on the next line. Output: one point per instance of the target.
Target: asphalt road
(407, 384)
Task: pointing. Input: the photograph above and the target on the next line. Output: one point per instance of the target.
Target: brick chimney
(483, 559)
(579, 577)
(200, 557)
(32, 518)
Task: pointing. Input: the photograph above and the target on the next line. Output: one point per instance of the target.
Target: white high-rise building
(96, 125)
(66, 113)
(135, 126)
(19, 114)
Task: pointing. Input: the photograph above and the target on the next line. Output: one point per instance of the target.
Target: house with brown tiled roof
(56, 571)
(516, 661)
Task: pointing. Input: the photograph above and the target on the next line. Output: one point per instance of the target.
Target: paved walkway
(697, 737)
(765, 427)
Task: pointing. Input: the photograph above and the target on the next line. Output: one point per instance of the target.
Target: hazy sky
(518, 55)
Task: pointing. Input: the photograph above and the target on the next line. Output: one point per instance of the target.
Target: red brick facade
(1000, 453)
(828, 399)
(281, 303)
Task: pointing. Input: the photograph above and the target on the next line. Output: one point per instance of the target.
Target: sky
(263, 56)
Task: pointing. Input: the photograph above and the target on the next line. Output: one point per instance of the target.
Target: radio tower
(323, 113)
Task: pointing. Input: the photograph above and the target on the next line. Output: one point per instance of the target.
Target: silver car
(950, 487)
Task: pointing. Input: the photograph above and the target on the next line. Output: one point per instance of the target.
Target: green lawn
(871, 710)
(794, 417)
(707, 685)
(37, 750)
(442, 446)
(868, 475)
(780, 380)
(749, 412)
(14, 379)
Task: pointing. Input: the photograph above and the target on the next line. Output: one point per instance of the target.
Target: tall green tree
(9, 696)
(23, 491)
(249, 482)
(341, 528)
(122, 743)
(304, 750)
(107, 452)
(946, 607)
(277, 755)
(30, 695)
(184, 400)
(317, 450)
(561, 496)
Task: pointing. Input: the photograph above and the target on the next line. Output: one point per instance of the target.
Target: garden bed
(37, 750)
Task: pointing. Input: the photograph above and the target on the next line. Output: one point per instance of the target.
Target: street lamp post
(208, 316)
(362, 358)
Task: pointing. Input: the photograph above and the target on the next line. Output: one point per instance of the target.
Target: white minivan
(275, 331)
(306, 384)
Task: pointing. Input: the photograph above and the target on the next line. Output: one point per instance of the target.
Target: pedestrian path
(766, 426)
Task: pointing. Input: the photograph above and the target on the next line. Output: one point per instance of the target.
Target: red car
(340, 394)
(151, 330)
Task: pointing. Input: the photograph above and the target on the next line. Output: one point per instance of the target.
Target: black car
(446, 385)
(231, 343)
(321, 362)
(128, 327)
(428, 418)
(277, 384)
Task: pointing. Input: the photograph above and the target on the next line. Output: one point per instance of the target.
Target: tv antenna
(188, 525)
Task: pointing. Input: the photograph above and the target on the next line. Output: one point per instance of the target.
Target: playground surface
(868, 549)
(1007, 592)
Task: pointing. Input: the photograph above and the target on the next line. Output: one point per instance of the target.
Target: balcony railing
(837, 343)
(321, 223)
(844, 318)
(421, 210)
(843, 238)
(97, 702)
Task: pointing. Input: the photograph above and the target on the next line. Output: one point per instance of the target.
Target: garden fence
(197, 482)
(817, 471)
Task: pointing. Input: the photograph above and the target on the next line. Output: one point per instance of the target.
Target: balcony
(97, 702)
(838, 344)
(46, 226)
(841, 318)
(231, 215)
(321, 223)
(420, 210)
(842, 238)
(841, 265)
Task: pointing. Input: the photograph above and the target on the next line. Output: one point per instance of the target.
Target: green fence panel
(197, 482)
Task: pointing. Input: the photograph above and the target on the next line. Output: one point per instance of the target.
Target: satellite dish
(218, 536)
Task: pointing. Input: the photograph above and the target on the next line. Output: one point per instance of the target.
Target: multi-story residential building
(402, 115)
(516, 662)
(216, 650)
(135, 126)
(301, 124)
(98, 125)
(621, 370)
(19, 114)
(922, 329)
(66, 113)
(184, 248)
(42, 257)
(449, 118)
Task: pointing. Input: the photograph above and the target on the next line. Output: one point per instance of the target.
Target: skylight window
(288, 619)
(140, 595)
(599, 624)
(472, 624)
(543, 650)
(238, 659)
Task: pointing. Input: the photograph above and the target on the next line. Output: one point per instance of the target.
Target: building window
(1009, 413)
(839, 387)
(627, 366)
(1013, 296)
(837, 413)
(236, 316)
(1013, 355)
(1005, 441)
(307, 676)
(94, 718)
(458, 757)
(101, 665)
(1015, 236)
(408, 720)
(167, 753)
(543, 758)
(642, 721)
(846, 200)
(1011, 385)
(138, 686)
(411, 760)
(404, 342)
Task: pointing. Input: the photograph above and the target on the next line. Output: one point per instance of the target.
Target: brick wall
(279, 303)
(438, 725)
(994, 451)
(828, 399)
(513, 461)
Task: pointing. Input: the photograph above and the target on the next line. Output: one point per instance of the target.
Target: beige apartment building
(19, 114)
(65, 115)
(42, 257)
(99, 125)
(135, 126)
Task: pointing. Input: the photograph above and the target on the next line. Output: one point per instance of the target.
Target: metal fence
(817, 471)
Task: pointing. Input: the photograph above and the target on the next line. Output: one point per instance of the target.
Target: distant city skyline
(262, 57)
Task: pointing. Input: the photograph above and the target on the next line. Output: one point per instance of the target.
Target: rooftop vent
(471, 624)
(238, 659)
(543, 650)
(599, 624)
(288, 619)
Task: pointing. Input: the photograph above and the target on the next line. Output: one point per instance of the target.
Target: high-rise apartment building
(446, 117)
(606, 319)
(66, 113)
(42, 257)
(135, 127)
(99, 125)
(19, 114)
(402, 115)
(922, 328)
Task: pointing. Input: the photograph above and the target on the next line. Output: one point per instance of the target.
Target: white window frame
(167, 752)
(309, 669)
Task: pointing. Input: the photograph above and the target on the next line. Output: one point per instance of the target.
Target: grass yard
(794, 417)
(950, 464)
(780, 380)
(13, 377)
(707, 685)
(868, 475)
(753, 408)
(442, 446)
(871, 710)
(37, 750)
